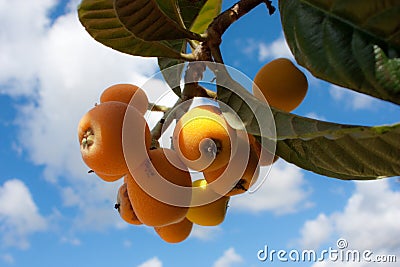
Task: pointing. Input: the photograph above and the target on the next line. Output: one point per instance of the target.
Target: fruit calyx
(88, 139)
(211, 147)
(240, 185)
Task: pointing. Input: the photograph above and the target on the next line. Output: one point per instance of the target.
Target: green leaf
(337, 40)
(359, 153)
(336, 150)
(209, 11)
(387, 70)
(173, 75)
(147, 21)
(100, 21)
(194, 14)
(171, 9)
(189, 10)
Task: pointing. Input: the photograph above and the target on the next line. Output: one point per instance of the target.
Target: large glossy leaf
(189, 10)
(100, 21)
(361, 153)
(338, 40)
(196, 16)
(147, 21)
(342, 151)
(171, 9)
(209, 11)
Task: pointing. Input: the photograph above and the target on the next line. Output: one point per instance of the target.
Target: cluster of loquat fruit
(158, 190)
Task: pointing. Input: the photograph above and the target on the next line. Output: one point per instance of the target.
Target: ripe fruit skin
(124, 206)
(150, 210)
(109, 178)
(249, 173)
(265, 158)
(124, 93)
(202, 134)
(100, 138)
(176, 232)
(210, 214)
(282, 84)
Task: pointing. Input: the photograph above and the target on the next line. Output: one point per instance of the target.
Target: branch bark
(223, 21)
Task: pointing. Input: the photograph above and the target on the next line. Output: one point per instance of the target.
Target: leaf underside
(100, 21)
(337, 41)
(208, 12)
(189, 10)
(341, 151)
(148, 22)
(196, 16)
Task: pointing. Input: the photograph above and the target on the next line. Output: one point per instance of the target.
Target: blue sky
(53, 213)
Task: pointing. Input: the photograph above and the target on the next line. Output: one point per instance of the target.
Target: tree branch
(224, 20)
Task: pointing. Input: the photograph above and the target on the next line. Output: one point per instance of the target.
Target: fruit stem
(159, 108)
(193, 74)
(159, 128)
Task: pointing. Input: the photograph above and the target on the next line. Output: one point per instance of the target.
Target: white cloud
(60, 71)
(283, 179)
(96, 204)
(315, 116)
(7, 258)
(368, 221)
(69, 76)
(71, 240)
(315, 232)
(127, 243)
(153, 262)
(352, 99)
(277, 48)
(19, 215)
(265, 51)
(228, 259)
(205, 232)
(20, 43)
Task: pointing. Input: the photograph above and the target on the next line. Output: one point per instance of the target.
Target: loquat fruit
(100, 137)
(176, 232)
(265, 157)
(238, 175)
(281, 83)
(202, 138)
(128, 94)
(124, 206)
(210, 214)
(149, 190)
